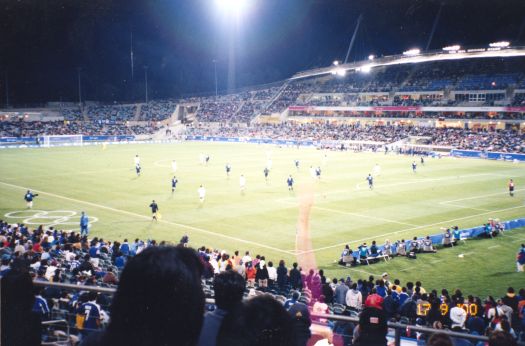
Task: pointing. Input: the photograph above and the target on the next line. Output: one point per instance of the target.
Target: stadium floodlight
(501, 44)
(371, 57)
(412, 52)
(336, 62)
(232, 6)
(366, 68)
(341, 72)
(452, 48)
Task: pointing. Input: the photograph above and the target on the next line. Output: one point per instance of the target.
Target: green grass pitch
(443, 192)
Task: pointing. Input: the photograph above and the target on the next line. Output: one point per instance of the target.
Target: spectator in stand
(282, 275)
(340, 293)
(229, 289)
(354, 298)
(501, 338)
(258, 321)
(159, 300)
(295, 277)
(301, 320)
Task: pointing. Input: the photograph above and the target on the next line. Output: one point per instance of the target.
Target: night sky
(44, 42)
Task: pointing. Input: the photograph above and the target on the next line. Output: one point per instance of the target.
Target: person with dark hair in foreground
(259, 321)
(439, 339)
(229, 290)
(159, 300)
(20, 325)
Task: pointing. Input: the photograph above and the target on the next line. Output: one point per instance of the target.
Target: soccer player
(414, 166)
(84, 224)
(207, 160)
(318, 173)
(28, 197)
(202, 194)
(228, 169)
(137, 160)
(422, 161)
(266, 172)
(289, 181)
(511, 188)
(370, 181)
(174, 166)
(154, 209)
(137, 169)
(174, 182)
(242, 183)
(297, 164)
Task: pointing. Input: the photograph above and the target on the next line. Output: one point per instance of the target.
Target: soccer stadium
(269, 173)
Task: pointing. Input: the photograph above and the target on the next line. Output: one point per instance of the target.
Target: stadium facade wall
(487, 155)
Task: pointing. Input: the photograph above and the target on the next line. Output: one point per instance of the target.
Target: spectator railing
(398, 328)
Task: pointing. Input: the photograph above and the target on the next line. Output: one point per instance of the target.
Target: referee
(154, 209)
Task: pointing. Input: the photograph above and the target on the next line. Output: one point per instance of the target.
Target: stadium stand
(51, 255)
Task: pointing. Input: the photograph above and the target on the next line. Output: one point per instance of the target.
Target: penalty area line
(188, 227)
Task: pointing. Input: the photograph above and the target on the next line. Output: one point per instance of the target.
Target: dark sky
(43, 42)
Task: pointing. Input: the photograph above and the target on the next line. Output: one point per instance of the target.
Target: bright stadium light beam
(412, 52)
(233, 6)
(455, 47)
(501, 44)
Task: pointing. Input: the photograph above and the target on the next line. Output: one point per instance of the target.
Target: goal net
(62, 140)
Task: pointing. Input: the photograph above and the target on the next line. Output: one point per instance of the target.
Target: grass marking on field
(476, 197)
(365, 216)
(351, 214)
(493, 247)
(414, 228)
(518, 240)
(436, 261)
(362, 271)
(462, 206)
(188, 227)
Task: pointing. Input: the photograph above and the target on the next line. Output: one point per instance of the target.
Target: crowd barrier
(487, 155)
(468, 233)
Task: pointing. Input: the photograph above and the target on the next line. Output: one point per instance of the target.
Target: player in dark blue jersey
(28, 197)
(138, 169)
(289, 181)
(370, 180)
(414, 166)
(296, 164)
(266, 173)
(422, 161)
(228, 169)
(318, 173)
(207, 159)
(174, 182)
(154, 210)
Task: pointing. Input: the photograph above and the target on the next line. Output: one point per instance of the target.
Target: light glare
(412, 52)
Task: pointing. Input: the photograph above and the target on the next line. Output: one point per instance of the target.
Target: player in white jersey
(174, 166)
(137, 160)
(242, 183)
(202, 194)
(377, 170)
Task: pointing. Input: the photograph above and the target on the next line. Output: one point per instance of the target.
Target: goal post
(62, 140)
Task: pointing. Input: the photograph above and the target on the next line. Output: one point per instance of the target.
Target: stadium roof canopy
(413, 58)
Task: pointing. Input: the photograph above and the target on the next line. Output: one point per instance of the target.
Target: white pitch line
(197, 229)
(462, 206)
(352, 214)
(493, 247)
(480, 196)
(364, 216)
(409, 229)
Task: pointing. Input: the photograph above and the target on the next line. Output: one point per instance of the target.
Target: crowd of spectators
(111, 113)
(475, 139)
(60, 127)
(146, 310)
(157, 110)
